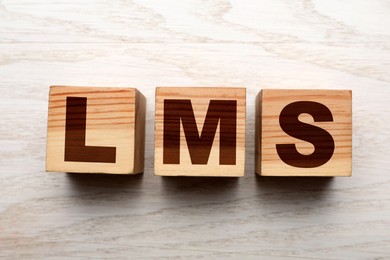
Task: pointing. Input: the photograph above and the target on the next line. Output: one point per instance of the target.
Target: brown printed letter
(199, 146)
(75, 130)
(321, 139)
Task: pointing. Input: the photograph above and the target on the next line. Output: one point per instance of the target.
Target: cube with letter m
(200, 131)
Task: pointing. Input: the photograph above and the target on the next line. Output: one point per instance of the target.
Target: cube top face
(200, 131)
(108, 117)
(304, 133)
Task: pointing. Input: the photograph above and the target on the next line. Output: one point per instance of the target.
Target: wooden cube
(96, 130)
(200, 131)
(304, 133)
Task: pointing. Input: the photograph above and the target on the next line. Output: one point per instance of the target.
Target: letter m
(223, 112)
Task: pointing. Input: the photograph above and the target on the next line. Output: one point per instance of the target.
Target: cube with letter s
(304, 132)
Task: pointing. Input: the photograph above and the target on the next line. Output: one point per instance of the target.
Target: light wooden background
(330, 44)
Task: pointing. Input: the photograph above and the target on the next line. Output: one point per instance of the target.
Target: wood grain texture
(317, 44)
(114, 119)
(200, 108)
(337, 104)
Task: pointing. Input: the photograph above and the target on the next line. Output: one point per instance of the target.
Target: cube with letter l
(96, 130)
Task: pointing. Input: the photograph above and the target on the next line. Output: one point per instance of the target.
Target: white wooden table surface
(324, 44)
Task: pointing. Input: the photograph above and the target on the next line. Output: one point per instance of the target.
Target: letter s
(323, 142)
